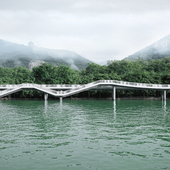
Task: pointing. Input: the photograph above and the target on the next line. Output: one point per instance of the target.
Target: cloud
(88, 6)
(96, 29)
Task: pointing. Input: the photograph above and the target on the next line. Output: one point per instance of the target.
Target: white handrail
(75, 88)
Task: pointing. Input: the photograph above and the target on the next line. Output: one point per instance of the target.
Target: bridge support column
(114, 93)
(45, 96)
(61, 99)
(163, 95)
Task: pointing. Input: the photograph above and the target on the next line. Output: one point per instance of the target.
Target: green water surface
(84, 134)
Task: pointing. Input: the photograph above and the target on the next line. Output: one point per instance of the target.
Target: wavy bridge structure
(64, 90)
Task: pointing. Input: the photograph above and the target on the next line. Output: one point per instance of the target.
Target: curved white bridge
(64, 90)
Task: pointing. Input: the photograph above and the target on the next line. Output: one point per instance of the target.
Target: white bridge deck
(64, 90)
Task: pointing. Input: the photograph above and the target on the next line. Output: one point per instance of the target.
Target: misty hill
(102, 63)
(13, 55)
(157, 50)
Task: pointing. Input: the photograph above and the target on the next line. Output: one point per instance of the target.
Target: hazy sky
(96, 29)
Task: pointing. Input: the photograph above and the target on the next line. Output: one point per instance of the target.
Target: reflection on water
(45, 105)
(114, 109)
(84, 134)
(164, 105)
(114, 106)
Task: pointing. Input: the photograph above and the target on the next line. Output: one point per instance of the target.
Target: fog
(31, 52)
(95, 29)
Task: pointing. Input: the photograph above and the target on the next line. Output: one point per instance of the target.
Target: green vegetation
(154, 71)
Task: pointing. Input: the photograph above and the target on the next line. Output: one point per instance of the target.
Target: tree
(49, 74)
(45, 74)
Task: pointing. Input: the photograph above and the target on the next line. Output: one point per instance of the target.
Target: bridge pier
(163, 95)
(45, 96)
(114, 93)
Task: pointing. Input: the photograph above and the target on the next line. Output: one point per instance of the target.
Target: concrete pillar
(163, 95)
(114, 93)
(45, 96)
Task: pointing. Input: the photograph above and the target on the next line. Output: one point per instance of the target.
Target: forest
(152, 71)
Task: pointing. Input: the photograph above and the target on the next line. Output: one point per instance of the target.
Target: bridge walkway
(65, 90)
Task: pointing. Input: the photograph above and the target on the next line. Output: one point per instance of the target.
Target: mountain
(13, 55)
(157, 50)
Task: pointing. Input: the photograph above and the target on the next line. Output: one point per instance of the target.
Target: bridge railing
(132, 83)
(8, 85)
(60, 85)
(5, 91)
(84, 85)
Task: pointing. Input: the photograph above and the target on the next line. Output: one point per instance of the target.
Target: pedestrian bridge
(65, 90)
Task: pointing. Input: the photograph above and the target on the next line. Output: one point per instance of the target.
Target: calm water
(84, 134)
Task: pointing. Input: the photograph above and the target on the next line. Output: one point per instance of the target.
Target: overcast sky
(96, 29)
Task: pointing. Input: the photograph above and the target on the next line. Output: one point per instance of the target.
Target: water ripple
(84, 134)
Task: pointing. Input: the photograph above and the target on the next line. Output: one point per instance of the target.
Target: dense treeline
(154, 71)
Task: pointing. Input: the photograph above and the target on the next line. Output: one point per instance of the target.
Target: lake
(84, 135)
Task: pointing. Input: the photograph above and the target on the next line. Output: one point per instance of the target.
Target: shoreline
(86, 98)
